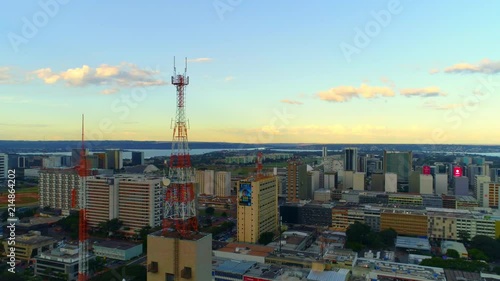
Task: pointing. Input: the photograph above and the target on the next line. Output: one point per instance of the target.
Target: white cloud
(109, 91)
(485, 66)
(346, 93)
(200, 60)
(291, 101)
(422, 92)
(6, 76)
(122, 75)
(229, 78)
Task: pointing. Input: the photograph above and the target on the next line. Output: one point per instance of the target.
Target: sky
(381, 71)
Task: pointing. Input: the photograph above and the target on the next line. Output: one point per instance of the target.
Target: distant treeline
(66, 146)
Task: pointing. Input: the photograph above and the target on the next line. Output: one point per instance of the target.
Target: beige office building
(56, 186)
(223, 184)
(257, 208)
(133, 199)
(171, 258)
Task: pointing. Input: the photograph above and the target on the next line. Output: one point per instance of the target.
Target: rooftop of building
(170, 233)
(261, 270)
(66, 253)
(39, 221)
(247, 249)
(403, 271)
(458, 275)
(239, 267)
(34, 238)
(338, 275)
(413, 243)
(459, 247)
(114, 244)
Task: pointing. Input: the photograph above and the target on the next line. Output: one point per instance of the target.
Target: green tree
(357, 232)
(388, 237)
(496, 270)
(224, 215)
(210, 211)
(452, 253)
(476, 254)
(114, 225)
(489, 246)
(266, 238)
(464, 236)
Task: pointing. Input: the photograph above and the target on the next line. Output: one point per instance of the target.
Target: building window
(169, 277)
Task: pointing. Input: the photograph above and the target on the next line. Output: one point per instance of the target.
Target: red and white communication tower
(180, 199)
(83, 244)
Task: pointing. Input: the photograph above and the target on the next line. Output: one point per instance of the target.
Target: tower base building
(193, 263)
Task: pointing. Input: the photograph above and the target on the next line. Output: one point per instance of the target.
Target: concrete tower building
(55, 188)
(114, 159)
(257, 208)
(209, 182)
(297, 181)
(350, 159)
(398, 162)
(223, 184)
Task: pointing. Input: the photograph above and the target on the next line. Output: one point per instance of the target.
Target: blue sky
(260, 71)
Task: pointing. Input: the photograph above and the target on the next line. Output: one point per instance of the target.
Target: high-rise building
(133, 199)
(223, 184)
(478, 188)
(114, 159)
(461, 185)
(398, 162)
(76, 155)
(330, 181)
(348, 180)
(102, 160)
(50, 162)
(102, 200)
(55, 187)
(199, 182)
(257, 208)
(495, 174)
(441, 183)
(315, 180)
(362, 164)
(473, 171)
(324, 152)
(414, 182)
(377, 182)
(426, 184)
(209, 182)
(137, 158)
(358, 181)
(350, 159)
(391, 182)
(297, 181)
(140, 202)
(4, 165)
(491, 195)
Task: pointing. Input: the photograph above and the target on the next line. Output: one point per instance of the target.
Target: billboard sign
(245, 194)
(457, 171)
(426, 170)
(248, 278)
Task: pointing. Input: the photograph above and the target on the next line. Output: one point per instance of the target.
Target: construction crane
(83, 244)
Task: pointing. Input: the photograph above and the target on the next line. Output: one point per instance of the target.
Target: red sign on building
(247, 278)
(426, 170)
(457, 171)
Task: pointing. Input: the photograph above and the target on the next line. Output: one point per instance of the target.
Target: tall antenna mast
(180, 199)
(83, 244)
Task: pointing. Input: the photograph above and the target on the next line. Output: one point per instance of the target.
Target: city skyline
(322, 72)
